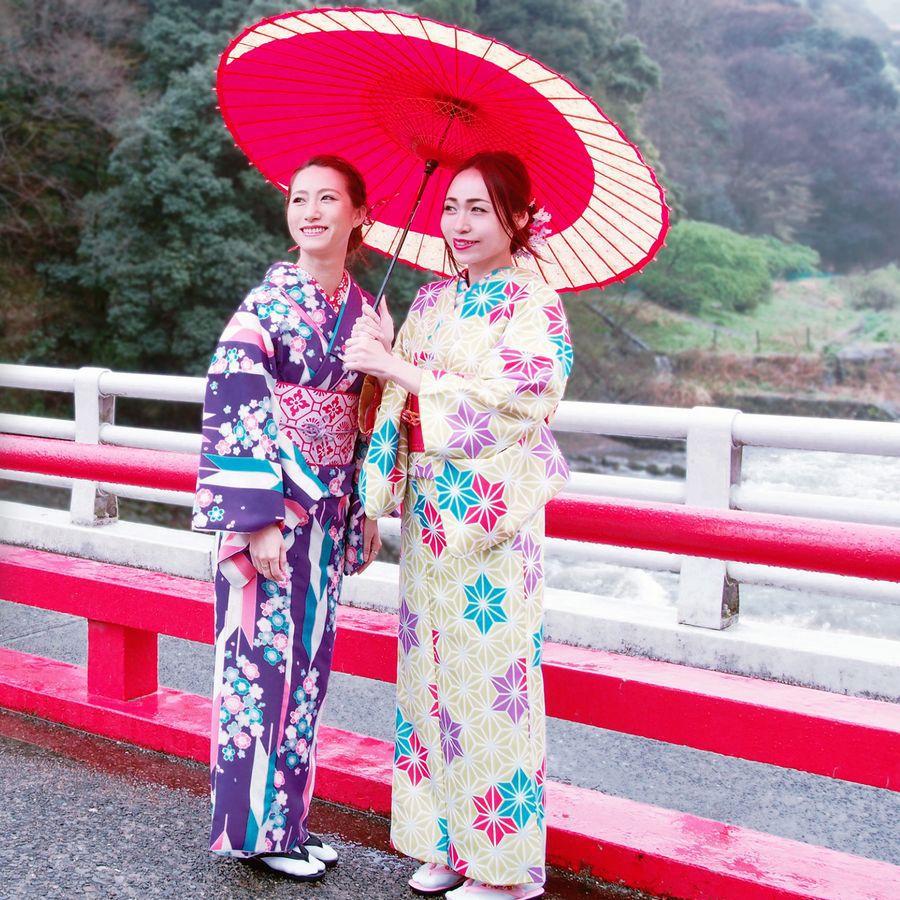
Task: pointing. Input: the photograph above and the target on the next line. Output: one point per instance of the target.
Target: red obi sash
(413, 420)
(322, 424)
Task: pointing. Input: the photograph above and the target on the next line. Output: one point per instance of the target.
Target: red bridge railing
(839, 548)
(660, 851)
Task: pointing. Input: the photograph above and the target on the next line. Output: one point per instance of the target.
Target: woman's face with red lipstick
(471, 226)
(320, 212)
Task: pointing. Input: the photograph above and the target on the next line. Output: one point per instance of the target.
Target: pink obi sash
(322, 424)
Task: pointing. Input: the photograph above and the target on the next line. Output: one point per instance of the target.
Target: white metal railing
(714, 438)
(801, 433)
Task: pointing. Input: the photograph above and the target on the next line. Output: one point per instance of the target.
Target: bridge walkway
(54, 779)
(96, 818)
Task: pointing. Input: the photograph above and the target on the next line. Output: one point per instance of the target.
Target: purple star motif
(548, 450)
(424, 470)
(470, 430)
(450, 732)
(427, 295)
(532, 563)
(407, 631)
(512, 691)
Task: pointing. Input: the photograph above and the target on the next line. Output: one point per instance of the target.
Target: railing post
(706, 596)
(89, 505)
(122, 662)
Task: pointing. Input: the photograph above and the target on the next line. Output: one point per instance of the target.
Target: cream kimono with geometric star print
(468, 784)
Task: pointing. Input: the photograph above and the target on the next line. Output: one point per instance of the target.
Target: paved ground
(106, 831)
(86, 817)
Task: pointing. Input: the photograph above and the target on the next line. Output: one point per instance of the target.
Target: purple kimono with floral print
(280, 444)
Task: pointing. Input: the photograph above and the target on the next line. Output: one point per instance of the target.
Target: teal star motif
(404, 733)
(383, 448)
(455, 491)
(419, 507)
(443, 845)
(563, 352)
(482, 297)
(518, 798)
(361, 485)
(484, 604)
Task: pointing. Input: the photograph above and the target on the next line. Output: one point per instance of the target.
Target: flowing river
(858, 477)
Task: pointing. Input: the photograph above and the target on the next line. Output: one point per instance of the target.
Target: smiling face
(471, 227)
(321, 214)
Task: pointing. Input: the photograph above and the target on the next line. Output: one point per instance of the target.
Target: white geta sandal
(434, 878)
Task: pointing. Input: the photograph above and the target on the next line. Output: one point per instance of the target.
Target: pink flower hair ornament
(538, 232)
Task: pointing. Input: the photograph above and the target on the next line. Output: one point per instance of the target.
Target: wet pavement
(86, 817)
(852, 818)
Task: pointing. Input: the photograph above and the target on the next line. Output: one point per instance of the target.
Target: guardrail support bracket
(707, 597)
(89, 504)
(122, 662)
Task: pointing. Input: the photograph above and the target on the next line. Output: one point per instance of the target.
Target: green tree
(786, 260)
(704, 267)
(584, 40)
(856, 64)
(769, 122)
(64, 84)
(453, 12)
(185, 226)
(878, 290)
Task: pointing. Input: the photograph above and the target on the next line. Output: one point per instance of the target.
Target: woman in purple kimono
(278, 480)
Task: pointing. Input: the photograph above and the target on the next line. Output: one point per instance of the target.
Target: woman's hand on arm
(268, 553)
(387, 324)
(377, 325)
(365, 352)
(405, 374)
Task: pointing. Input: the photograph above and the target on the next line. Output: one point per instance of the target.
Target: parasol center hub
(455, 108)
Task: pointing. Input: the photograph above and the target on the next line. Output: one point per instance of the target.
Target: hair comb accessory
(540, 229)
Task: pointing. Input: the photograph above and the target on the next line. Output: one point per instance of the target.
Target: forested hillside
(130, 225)
(769, 122)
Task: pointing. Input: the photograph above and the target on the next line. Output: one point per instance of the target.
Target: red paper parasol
(390, 91)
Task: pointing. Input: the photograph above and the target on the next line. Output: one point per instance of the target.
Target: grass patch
(803, 316)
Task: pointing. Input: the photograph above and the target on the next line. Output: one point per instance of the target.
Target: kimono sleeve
(356, 514)
(239, 485)
(383, 478)
(517, 387)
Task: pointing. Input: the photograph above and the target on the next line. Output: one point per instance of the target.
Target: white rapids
(846, 475)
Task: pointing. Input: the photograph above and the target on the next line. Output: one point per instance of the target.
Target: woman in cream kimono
(462, 441)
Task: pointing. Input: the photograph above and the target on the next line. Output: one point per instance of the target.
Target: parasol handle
(430, 166)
